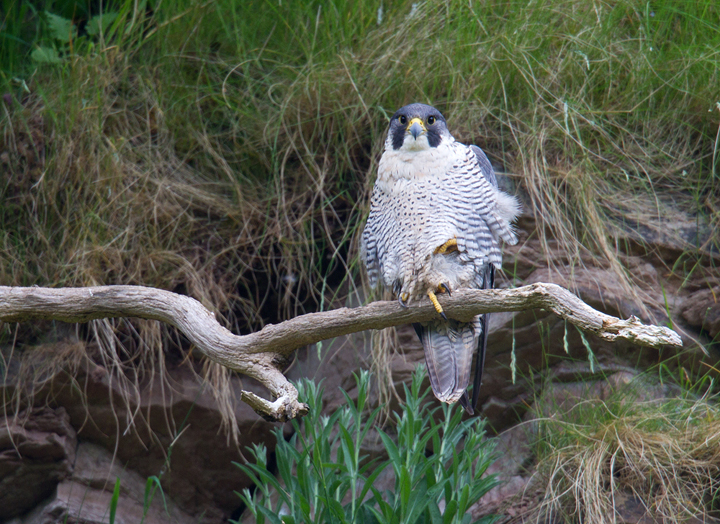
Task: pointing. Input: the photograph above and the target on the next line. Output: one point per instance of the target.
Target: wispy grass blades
(664, 452)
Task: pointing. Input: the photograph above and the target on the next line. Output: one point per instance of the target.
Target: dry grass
(663, 453)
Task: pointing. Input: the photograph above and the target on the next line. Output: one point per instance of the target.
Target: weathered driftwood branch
(255, 355)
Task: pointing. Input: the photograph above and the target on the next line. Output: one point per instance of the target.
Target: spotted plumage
(436, 221)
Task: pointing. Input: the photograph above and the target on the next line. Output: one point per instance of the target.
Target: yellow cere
(416, 120)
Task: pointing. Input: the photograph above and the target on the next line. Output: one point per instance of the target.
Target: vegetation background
(226, 149)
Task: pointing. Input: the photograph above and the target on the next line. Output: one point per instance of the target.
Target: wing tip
(465, 403)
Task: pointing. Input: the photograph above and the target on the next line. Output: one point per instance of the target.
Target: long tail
(449, 347)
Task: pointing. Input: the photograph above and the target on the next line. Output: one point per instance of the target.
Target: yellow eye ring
(431, 120)
(402, 119)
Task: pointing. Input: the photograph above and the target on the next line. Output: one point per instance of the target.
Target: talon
(449, 246)
(402, 299)
(444, 288)
(437, 305)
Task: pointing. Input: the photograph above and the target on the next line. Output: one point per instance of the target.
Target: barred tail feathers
(449, 347)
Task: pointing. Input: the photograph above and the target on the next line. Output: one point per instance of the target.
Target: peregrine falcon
(435, 225)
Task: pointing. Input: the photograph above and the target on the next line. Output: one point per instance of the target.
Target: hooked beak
(416, 127)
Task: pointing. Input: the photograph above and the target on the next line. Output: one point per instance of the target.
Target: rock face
(702, 311)
(518, 498)
(186, 448)
(37, 450)
(85, 495)
(186, 438)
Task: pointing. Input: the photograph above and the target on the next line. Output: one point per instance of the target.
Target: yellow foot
(447, 247)
(403, 299)
(437, 305)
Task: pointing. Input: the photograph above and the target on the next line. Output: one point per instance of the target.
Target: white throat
(416, 159)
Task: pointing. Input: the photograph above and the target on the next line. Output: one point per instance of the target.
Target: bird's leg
(437, 305)
(442, 287)
(447, 247)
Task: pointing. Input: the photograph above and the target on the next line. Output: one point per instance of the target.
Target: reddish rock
(85, 496)
(702, 310)
(175, 433)
(37, 450)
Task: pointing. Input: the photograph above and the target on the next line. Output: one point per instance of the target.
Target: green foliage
(597, 109)
(436, 461)
(46, 37)
(152, 485)
(114, 501)
(63, 36)
(46, 55)
(16, 36)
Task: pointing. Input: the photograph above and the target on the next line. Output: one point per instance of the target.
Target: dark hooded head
(417, 127)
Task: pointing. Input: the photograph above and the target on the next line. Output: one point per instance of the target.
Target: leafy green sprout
(435, 466)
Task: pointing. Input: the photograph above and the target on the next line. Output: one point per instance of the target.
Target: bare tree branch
(256, 354)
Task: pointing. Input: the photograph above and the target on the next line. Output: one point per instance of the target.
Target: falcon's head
(417, 127)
